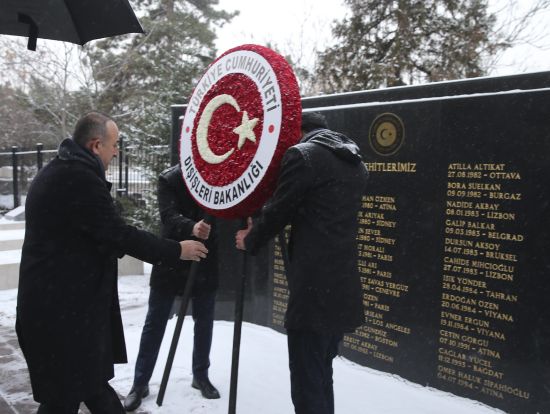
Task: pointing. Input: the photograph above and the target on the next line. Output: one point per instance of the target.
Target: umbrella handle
(33, 29)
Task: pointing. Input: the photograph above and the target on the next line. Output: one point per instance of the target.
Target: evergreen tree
(141, 77)
(384, 43)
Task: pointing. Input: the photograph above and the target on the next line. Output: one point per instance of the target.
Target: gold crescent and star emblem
(387, 134)
(245, 130)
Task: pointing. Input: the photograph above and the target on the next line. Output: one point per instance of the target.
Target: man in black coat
(68, 316)
(319, 192)
(181, 218)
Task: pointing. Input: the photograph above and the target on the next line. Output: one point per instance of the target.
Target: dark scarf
(70, 151)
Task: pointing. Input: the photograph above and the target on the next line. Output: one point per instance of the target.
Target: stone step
(11, 225)
(11, 239)
(9, 268)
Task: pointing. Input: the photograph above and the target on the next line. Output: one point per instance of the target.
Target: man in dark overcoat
(319, 192)
(181, 218)
(68, 317)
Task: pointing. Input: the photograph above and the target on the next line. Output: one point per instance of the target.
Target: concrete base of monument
(129, 265)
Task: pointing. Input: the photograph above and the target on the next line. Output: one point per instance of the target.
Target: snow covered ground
(263, 375)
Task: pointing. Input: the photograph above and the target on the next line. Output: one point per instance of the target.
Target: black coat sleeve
(176, 223)
(96, 217)
(294, 182)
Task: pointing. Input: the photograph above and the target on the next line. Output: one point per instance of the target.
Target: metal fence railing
(133, 173)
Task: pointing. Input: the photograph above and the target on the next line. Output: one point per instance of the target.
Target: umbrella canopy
(75, 21)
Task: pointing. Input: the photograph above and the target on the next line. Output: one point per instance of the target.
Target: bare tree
(18, 126)
(384, 43)
(520, 23)
(46, 83)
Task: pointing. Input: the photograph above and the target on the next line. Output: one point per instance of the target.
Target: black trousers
(160, 306)
(310, 356)
(105, 402)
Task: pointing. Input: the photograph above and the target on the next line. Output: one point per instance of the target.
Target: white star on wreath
(245, 130)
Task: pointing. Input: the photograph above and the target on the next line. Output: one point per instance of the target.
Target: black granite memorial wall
(453, 243)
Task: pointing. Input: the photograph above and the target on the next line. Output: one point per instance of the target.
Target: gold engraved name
(373, 215)
(375, 331)
(506, 388)
(456, 185)
(481, 167)
(486, 206)
(487, 245)
(478, 225)
(384, 199)
(375, 249)
(499, 267)
(464, 338)
(460, 204)
(469, 377)
(459, 242)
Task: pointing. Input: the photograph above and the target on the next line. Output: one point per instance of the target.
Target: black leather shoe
(206, 388)
(133, 400)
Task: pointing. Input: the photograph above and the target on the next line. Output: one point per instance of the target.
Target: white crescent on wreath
(234, 180)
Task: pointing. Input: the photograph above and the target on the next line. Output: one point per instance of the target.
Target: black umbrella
(75, 21)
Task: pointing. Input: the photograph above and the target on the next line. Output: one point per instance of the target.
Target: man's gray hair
(91, 125)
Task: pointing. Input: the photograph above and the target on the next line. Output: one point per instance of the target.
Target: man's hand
(201, 230)
(192, 250)
(241, 235)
